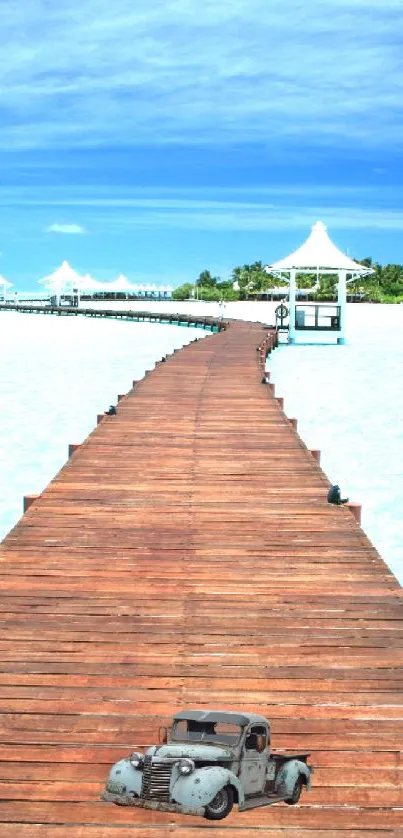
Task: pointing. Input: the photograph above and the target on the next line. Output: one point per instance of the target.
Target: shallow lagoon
(349, 404)
(56, 375)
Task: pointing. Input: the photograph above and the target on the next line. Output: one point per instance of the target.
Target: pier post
(292, 301)
(73, 446)
(355, 509)
(28, 500)
(342, 303)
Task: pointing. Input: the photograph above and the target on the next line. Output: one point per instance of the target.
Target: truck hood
(195, 751)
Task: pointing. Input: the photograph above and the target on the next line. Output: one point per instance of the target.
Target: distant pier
(214, 324)
(186, 556)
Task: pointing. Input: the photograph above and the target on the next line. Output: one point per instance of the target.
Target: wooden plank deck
(186, 556)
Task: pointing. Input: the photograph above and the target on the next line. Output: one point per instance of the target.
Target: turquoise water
(349, 403)
(56, 374)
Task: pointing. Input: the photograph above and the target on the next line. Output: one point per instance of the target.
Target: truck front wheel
(221, 805)
(293, 800)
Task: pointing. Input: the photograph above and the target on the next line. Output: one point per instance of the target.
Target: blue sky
(161, 138)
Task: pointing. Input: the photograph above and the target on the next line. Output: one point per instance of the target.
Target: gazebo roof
(88, 283)
(316, 254)
(63, 276)
(121, 283)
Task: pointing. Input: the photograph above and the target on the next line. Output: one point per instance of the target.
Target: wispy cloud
(67, 229)
(260, 219)
(226, 213)
(216, 72)
(110, 211)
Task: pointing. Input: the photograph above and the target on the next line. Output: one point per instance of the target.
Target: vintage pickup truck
(208, 760)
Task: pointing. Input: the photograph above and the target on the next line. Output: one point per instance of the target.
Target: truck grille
(156, 780)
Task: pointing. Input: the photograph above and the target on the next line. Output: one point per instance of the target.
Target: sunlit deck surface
(186, 556)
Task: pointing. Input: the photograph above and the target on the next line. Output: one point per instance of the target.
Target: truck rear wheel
(221, 805)
(293, 800)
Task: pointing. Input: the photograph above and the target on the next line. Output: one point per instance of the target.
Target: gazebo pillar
(76, 297)
(292, 301)
(342, 303)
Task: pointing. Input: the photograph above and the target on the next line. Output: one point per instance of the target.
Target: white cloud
(216, 72)
(69, 229)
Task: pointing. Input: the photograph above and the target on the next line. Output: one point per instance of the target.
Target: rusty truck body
(207, 761)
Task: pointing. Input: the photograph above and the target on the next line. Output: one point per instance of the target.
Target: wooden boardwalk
(186, 556)
(215, 324)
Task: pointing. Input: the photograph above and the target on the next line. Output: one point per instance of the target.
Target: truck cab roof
(241, 719)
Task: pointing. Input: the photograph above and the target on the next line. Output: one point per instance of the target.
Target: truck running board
(255, 802)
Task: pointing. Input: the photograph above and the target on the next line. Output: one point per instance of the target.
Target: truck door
(254, 760)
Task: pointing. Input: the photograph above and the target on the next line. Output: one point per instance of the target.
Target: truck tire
(293, 800)
(221, 805)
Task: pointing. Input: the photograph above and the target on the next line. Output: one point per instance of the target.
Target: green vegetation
(207, 287)
(385, 285)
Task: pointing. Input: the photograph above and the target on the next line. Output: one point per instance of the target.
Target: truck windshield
(219, 733)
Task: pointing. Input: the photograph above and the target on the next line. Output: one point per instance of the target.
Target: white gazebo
(65, 280)
(321, 256)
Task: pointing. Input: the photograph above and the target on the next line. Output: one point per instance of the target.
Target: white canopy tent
(121, 283)
(65, 280)
(88, 283)
(165, 290)
(321, 256)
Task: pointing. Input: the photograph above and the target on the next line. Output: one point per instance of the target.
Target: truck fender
(201, 787)
(288, 776)
(123, 772)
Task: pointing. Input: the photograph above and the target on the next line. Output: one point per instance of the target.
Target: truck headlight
(186, 766)
(136, 760)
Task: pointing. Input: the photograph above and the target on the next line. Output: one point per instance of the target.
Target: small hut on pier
(66, 284)
(318, 255)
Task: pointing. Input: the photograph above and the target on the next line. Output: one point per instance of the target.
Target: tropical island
(252, 282)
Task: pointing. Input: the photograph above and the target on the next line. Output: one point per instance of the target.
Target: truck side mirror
(163, 735)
